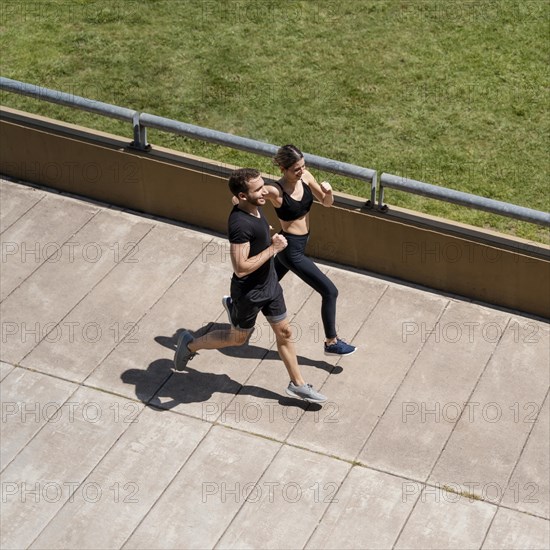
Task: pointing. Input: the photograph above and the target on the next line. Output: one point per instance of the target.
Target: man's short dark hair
(239, 178)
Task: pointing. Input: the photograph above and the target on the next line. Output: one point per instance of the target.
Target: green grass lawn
(448, 92)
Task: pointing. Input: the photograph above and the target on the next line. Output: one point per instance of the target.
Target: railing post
(372, 202)
(381, 196)
(140, 134)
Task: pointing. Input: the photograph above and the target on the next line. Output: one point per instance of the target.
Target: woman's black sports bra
(291, 209)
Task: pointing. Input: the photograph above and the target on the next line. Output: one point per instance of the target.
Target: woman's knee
(329, 292)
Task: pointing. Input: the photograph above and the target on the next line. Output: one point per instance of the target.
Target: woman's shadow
(161, 387)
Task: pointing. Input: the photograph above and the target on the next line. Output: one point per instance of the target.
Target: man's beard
(256, 202)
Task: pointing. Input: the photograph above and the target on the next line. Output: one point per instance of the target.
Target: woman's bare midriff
(296, 227)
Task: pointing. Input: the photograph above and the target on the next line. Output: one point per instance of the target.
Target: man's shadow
(192, 386)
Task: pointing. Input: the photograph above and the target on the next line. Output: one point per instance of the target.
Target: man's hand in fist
(279, 242)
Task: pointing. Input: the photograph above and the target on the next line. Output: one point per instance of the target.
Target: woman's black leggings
(293, 258)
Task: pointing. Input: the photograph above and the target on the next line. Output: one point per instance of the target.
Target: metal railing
(461, 198)
(77, 102)
(258, 148)
(141, 121)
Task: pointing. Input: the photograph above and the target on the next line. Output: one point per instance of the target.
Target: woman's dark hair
(239, 178)
(287, 155)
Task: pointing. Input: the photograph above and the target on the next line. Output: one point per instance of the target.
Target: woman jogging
(292, 198)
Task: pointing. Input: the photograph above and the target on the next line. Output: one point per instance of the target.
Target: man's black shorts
(245, 309)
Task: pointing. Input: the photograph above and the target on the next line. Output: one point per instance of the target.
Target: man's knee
(282, 331)
(286, 332)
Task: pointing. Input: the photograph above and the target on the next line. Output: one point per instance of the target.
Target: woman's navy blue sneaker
(339, 348)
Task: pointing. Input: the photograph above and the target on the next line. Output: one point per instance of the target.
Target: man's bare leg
(219, 339)
(287, 350)
(188, 346)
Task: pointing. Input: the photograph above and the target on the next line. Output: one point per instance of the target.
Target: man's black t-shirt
(247, 228)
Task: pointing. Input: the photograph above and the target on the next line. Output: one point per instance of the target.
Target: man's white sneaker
(305, 392)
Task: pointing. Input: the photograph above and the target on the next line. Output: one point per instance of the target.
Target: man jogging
(254, 285)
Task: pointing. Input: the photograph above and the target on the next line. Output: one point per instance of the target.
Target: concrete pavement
(436, 433)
